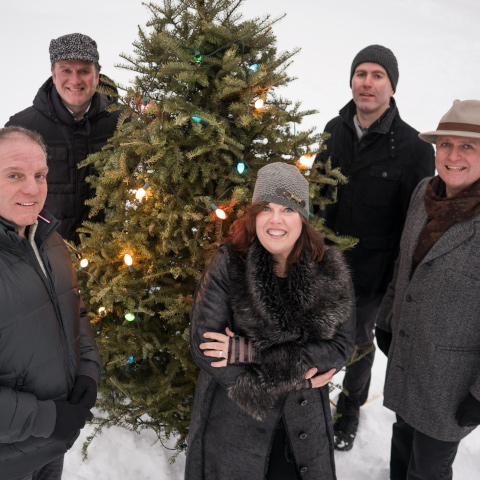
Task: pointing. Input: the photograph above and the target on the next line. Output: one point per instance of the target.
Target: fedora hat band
(459, 127)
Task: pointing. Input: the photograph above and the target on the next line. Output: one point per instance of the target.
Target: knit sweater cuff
(45, 419)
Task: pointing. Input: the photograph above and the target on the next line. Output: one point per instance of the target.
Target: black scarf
(281, 320)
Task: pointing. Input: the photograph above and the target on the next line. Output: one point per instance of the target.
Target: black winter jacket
(69, 142)
(383, 169)
(237, 407)
(45, 342)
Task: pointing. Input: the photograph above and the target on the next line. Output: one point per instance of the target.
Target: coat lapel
(452, 238)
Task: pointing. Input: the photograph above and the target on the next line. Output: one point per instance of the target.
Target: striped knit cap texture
(283, 184)
(74, 46)
(380, 55)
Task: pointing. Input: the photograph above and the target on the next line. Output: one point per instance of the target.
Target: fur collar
(280, 320)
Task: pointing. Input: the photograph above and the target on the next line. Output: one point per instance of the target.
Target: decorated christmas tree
(203, 114)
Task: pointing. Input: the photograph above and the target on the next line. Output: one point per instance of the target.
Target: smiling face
(23, 184)
(458, 162)
(371, 90)
(278, 228)
(75, 81)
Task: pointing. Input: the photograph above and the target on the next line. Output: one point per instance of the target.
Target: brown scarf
(444, 212)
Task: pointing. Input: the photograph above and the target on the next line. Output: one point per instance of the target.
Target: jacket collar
(48, 102)
(259, 302)
(382, 125)
(11, 240)
(455, 236)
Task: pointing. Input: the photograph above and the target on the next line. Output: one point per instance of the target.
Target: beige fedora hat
(462, 120)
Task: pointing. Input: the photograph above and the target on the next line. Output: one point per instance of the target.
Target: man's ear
(53, 75)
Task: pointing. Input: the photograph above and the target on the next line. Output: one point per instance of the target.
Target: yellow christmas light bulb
(128, 259)
(142, 191)
(220, 214)
(305, 161)
(259, 103)
(84, 263)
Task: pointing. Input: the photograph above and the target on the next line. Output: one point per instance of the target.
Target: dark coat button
(402, 333)
(303, 436)
(408, 298)
(303, 403)
(303, 469)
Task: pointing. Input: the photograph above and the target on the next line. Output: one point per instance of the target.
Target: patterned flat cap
(74, 46)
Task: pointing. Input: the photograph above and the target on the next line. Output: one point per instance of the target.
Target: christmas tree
(203, 114)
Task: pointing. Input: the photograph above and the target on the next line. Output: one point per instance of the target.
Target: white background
(436, 42)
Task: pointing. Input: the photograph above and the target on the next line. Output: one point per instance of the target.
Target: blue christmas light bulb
(253, 68)
(240, 167)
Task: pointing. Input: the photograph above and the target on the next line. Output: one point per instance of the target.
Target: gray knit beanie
(283, 184)
(381, 55)
(74, 46)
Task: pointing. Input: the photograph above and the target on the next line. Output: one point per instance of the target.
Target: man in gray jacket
(49, 362)
(428, 322)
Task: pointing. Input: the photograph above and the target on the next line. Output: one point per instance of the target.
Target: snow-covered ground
(121, 455)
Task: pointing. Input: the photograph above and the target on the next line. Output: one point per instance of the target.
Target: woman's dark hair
(243, 233)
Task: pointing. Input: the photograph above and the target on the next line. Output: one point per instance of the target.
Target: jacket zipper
(53, 297)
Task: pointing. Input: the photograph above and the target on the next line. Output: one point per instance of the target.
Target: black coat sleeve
(212, 312)
(335, 352)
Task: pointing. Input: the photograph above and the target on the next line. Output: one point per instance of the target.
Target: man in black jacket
(72, 118)
(49, 362)
(384, 160)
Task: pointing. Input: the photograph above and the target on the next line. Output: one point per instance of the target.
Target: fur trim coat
(308, 322)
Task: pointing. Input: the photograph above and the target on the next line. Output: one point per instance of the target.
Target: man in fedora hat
(428, 322)
(74, 122)
(384, 160)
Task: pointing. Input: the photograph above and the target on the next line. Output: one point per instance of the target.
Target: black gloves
(384, 339)
(84, 392)
(70, 419)
(72, 415)
(468, 413)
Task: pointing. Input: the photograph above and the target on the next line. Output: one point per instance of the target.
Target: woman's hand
(319, 380)
(218, 348)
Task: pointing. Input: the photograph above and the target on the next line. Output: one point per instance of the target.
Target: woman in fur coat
(272, 321)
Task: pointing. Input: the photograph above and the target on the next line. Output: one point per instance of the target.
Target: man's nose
(455, 154)
(367, 82)
(30, 186)
(75, 78)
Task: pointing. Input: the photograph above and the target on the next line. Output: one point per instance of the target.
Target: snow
(118, 454)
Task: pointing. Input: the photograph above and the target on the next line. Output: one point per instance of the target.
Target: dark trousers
(416, 456)
(280, 464)
(50, 471)
(358, 375)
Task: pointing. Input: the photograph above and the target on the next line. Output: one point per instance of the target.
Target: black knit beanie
(381, 55)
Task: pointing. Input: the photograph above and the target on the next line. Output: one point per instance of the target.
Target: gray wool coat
(434, 358)
(226, 441)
